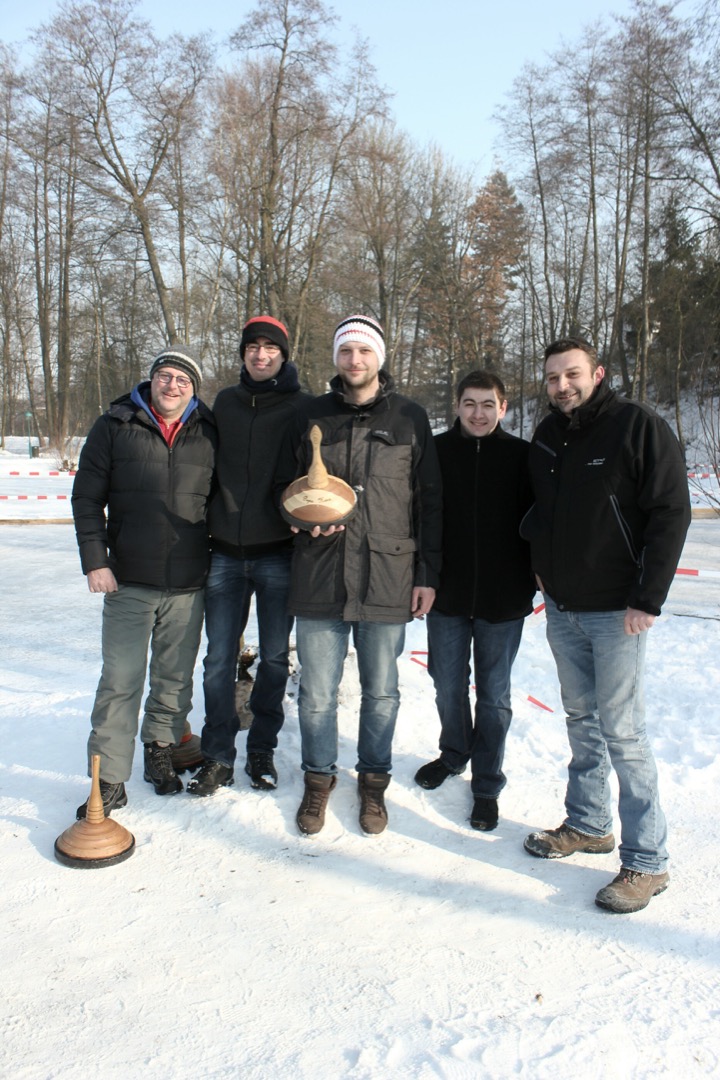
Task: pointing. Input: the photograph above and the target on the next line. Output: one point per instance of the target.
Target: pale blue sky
(449, 64)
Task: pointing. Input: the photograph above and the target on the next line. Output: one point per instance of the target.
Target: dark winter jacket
(244, 519)
(384, 449)
(486, 570)
(156, 496)
(611, 505)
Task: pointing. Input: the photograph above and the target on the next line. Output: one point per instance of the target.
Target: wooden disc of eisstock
(95, 840)
(318, 498)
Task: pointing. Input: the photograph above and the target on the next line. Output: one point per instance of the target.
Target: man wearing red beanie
(251, 551)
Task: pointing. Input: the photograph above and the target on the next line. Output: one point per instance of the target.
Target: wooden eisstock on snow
(95, 840)
(318, 498)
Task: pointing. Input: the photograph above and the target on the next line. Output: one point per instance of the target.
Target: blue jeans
(322, 646)
(494, 648)
(230, 586)
(601, 671)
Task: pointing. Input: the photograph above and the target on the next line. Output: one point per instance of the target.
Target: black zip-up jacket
(244, 519)
(156, 495)
(486, 570)
(612, 506)
(385, 450)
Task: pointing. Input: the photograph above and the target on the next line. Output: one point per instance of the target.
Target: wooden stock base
(95, 840)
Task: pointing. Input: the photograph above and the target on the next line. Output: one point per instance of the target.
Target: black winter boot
(373, 813)
(159, 769)
(260, 767)
(113, 796)
(484, 814)
(210, 777)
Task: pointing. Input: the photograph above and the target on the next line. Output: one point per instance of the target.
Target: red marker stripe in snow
(416, 661)
(534, 701)
(24, 498)
(682, 572)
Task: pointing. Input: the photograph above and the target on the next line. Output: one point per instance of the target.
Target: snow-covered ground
(229, 946)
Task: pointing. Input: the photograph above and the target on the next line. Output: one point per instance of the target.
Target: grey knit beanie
(182, 357)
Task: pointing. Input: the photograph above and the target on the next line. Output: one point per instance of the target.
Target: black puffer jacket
(244, 519)
(611, 505)
(486, 570)
(156, 496)
(384, 449)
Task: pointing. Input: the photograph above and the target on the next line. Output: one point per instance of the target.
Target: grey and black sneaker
(260, 767)
(159, 769)
(113, 797)
(559, 843)
(210, 777)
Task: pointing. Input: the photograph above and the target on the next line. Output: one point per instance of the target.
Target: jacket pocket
(316, 570)
(390, 458)
(527, 523)
(391, 571)
(625, 530)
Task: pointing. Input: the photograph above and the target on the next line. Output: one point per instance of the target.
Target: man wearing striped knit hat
(368, 578)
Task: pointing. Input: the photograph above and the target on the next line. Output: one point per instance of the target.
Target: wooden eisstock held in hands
(318, 498)
(95, 840)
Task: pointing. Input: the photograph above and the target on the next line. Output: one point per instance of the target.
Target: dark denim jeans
(601, 671)
(322, 647)
(494, 648)
(230, 586)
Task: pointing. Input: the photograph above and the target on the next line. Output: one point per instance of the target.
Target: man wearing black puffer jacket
(251, 553)
(606, 529)
(486, 590)
(148, 462)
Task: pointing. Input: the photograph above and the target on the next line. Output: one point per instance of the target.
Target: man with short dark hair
(606, 530)
(148, 461)
(251, 553)
(485, 592)
(368, 578)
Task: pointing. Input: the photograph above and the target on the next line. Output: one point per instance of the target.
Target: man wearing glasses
(140, 503)
(251, 553)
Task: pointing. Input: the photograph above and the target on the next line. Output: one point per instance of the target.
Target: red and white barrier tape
(415, 653)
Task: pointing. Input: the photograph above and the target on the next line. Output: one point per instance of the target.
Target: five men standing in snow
(597, 505)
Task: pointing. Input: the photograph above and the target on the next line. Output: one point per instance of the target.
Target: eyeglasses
(270, 350)
(165, 378)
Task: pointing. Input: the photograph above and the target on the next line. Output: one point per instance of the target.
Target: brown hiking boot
(559, 843)
(631, 891)
(373, 813)
(311, 812)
